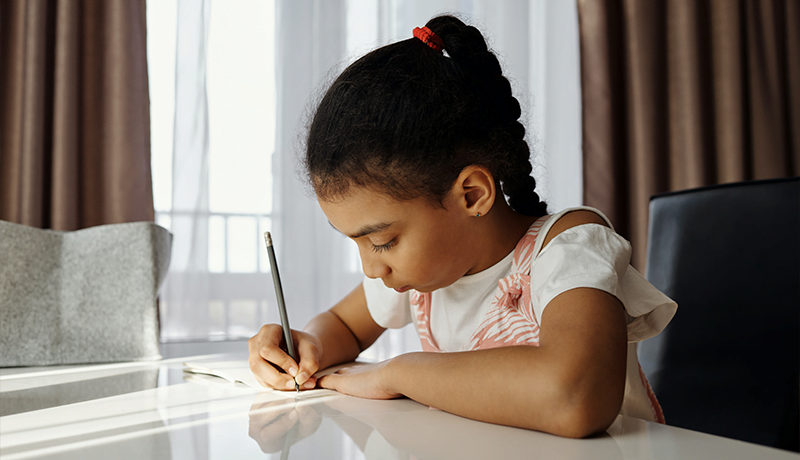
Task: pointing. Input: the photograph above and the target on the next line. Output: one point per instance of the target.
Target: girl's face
(407, 244)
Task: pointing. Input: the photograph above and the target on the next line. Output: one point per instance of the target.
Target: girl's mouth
(402, 289)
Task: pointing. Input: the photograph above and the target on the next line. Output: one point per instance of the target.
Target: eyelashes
(384, 247)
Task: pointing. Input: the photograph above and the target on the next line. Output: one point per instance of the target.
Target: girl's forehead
(361, 204)
(360, 196)
(362, 207)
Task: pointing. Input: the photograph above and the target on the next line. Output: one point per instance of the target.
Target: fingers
(271, 351)
(309, 358)
(268, 376)
(334, 382)
(328, 381)
(363, 381)
(264, 349)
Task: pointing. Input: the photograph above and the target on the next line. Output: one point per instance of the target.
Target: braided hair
(406, 119)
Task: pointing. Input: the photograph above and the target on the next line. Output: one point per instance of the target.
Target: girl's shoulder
(566, 219)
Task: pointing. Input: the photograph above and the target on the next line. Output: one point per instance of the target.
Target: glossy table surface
(155, 410)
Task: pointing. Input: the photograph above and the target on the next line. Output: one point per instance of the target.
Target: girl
(526, 319)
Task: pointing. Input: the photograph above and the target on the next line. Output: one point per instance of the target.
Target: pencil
(276, 278)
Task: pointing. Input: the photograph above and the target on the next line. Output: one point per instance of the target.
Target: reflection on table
(179, 416)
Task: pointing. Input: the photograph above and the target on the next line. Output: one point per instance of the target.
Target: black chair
(729, 361)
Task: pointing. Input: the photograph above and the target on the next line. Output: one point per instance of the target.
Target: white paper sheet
(239, 372)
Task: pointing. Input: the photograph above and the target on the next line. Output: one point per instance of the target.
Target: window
(240, 74)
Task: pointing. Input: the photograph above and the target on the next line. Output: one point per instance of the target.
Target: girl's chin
(422, 289)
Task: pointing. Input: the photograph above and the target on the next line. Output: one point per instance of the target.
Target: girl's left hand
(362, 380)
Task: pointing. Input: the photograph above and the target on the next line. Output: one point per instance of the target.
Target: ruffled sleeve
(650, 308)
(389, 308)
(595, 256)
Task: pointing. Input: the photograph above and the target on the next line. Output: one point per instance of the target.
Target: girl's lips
(402, 289)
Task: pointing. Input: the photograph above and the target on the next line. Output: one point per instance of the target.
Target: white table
(152, 410)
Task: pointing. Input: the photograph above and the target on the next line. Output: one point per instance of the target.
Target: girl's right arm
(330, 338)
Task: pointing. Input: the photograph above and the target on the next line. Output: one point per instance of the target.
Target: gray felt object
(87, 296)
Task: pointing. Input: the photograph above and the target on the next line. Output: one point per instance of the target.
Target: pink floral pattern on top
(510, 320)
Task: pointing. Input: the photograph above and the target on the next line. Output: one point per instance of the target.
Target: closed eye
(384, 247)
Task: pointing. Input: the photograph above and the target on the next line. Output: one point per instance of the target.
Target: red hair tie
(429, 38)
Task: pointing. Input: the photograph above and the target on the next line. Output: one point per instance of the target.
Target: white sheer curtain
(538, 45)
(185, 295)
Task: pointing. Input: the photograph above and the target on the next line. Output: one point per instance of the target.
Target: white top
(587, 255)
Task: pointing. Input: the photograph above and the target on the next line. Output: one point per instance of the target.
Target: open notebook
(239, 372)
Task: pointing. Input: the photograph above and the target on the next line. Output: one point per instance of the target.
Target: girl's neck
(498, 234)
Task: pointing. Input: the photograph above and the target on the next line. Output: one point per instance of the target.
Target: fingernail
(290, 384)
(308, 385)
(292, 371)
(302, 377)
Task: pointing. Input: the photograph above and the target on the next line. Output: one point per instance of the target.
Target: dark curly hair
(406, 120)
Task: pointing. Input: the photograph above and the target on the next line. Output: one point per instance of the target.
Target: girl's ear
(475, 190)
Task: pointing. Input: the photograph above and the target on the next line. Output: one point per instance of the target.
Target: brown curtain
(684, 93)
(74, 113)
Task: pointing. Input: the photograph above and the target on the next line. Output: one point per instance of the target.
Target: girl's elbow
(584, 422)
(588, 414)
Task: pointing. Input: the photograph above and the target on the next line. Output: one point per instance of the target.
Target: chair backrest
(729, 361)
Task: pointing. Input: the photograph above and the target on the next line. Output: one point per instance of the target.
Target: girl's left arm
(571, 385)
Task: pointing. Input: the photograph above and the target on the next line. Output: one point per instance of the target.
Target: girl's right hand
(267, 357)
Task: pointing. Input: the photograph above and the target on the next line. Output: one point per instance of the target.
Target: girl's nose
(373, 266)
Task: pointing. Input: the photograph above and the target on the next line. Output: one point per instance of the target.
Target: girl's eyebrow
(367, 229)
